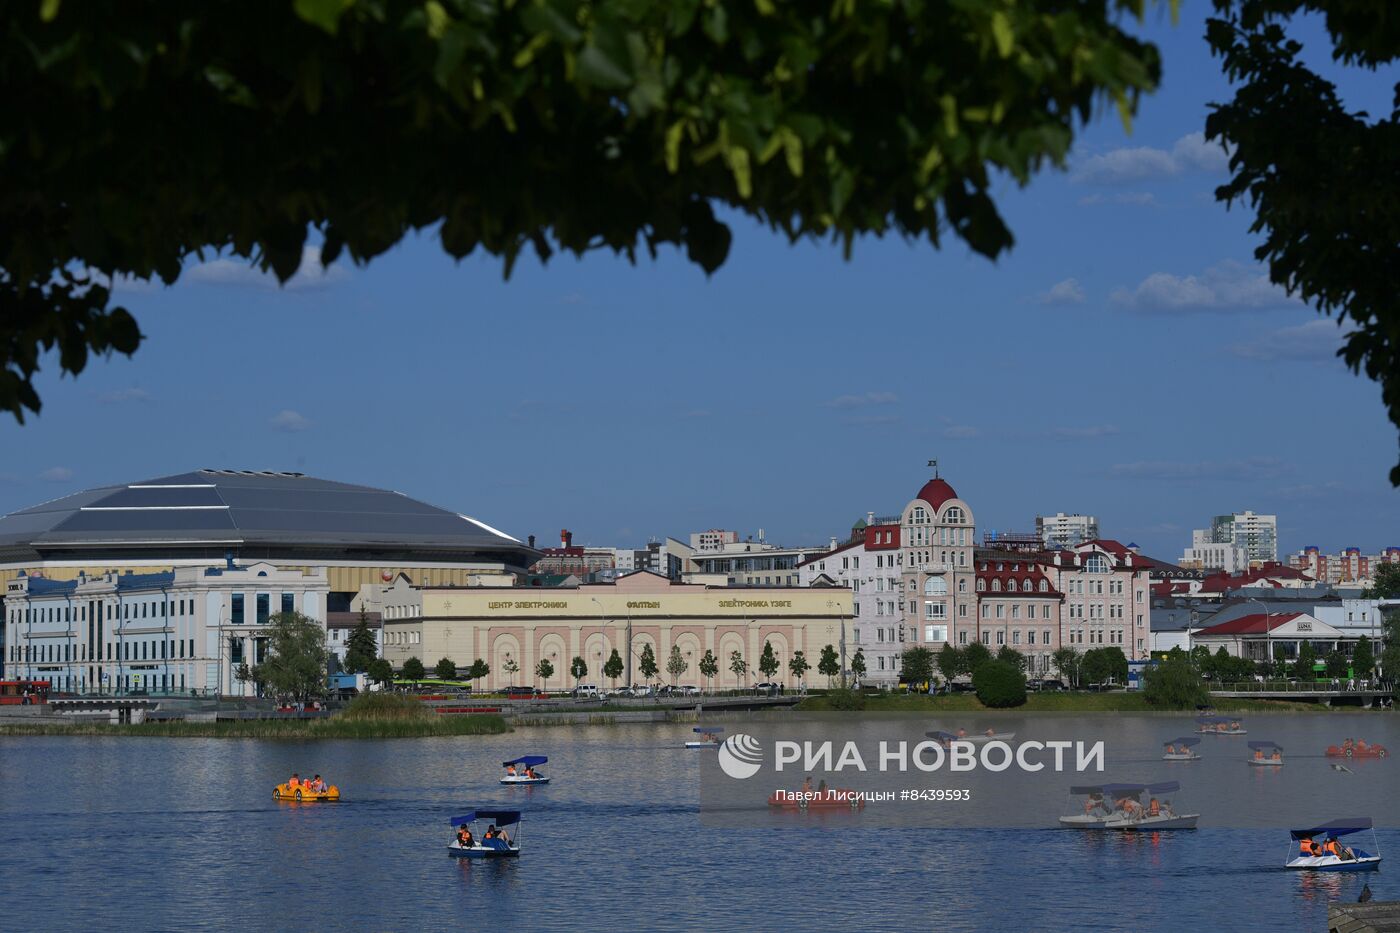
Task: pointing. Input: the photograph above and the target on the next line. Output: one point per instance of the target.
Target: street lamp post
(1268, 633)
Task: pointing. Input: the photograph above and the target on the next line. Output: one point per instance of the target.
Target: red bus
(23, 692)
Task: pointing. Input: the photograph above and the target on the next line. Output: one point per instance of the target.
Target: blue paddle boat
(1122, 808)
(1266, 755)
(494, 842)
(1330, 854)
(522, 770)
(709, 737)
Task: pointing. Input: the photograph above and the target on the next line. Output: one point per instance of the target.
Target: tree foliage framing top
(135, 134)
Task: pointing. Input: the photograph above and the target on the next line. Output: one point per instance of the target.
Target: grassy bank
(371, 717)
(1049, 703)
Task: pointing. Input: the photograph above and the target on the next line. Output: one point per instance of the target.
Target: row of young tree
(677, 664)
(1095, 666)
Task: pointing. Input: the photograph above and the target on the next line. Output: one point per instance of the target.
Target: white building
(937, 532)
(1205, 554)
(186, 631)
(1256, 534)
(1065, 531)
(870, 567)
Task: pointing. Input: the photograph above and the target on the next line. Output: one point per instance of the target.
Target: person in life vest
(530, 772)
(464, 837)
(317, 785)
(1154, 808)
(1171, 749)
(1306, 846)
(1277, 756)
(1315, 848)
(1332, 848)
(1258, 754)
(510, 770)
(294, 781)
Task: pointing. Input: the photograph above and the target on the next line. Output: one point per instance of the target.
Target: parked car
(587, 692)
(766, 689)
(528, 692)
(689, 690)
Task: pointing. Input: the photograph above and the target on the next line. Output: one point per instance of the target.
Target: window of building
(954, 516)
(1016, 636)
(935, 586)
(1096, 563)
(235, 615)
(264, 606)
(288, 602)
(935, 633)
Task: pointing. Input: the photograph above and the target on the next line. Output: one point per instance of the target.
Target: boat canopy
(528, 761)
(942, 736)
(1113, 790)
(1215, 720)
(1355, 824)
(708, 730)
(499, 817)
(1183, 741)
(1264, 746)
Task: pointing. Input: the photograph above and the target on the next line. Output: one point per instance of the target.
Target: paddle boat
(1266, 755)
(301, 791)
(1362, 749)
(945, 739)
(472, 845)
(1219, 725)
(980, 738)
(820, 798)
(1180, 750)
(709, 737)
(1119, 808)
(1307, 854)
(522, 770)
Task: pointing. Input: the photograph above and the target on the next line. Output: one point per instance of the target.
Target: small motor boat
(499, 846)
(524, 770)
(1350, 859)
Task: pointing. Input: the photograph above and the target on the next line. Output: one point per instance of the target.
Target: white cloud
(1254, 468)
(1068, 292)
(288, 420)
(1132, 198)
(961, 432)
(1226, 286)
(1090, 431)
(116, 396)
(237, 271)
(867, 398)
(870, 420)
(58, 474)
(1317, 340)
(1190, 153)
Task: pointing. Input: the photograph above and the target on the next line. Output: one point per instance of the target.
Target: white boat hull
(1175, 757)
(1265, 764)
(517, 779)
(1332, 863)
(1122, 824)
(984, 739)
(1222, 732)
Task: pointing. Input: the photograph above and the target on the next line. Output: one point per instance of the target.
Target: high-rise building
(1205, 554)
(1065, 531)
(1348, 567)
(1256, 534)
(938, 533)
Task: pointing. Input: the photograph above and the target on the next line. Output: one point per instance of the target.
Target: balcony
(935, 568)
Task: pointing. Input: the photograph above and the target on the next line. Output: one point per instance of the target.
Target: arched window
(981, 586)
(1097, 563)
(920, 517)
(996, 586)
(1045, 586)
(962, 586)
(935, 586)
(1010, 586)
(954, 516)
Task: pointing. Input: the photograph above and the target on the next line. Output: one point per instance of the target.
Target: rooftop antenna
(934, 465)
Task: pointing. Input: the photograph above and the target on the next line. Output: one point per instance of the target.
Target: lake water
(182, 834)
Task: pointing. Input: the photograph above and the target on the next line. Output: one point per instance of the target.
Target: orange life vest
(1305, 846)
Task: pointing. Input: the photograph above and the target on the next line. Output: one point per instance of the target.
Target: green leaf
(438, 20)
(324, 14)
(1002, 34)
(48, 10)
(595, 68)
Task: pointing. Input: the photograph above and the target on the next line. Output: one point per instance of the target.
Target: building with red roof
(1260, 636)
(1018, 605)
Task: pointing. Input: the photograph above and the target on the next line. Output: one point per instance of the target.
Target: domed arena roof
(248, 513)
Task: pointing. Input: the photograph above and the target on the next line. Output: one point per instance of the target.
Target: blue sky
(1127, 359)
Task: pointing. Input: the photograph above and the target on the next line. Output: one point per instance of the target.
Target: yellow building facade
(520, 626)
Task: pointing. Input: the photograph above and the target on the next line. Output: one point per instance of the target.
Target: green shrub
(1174, 683)
(384, 706)
(999, 684)
(847, 700)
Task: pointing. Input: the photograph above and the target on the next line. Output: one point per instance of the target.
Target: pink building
(1105, 586)
(1017, 605)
